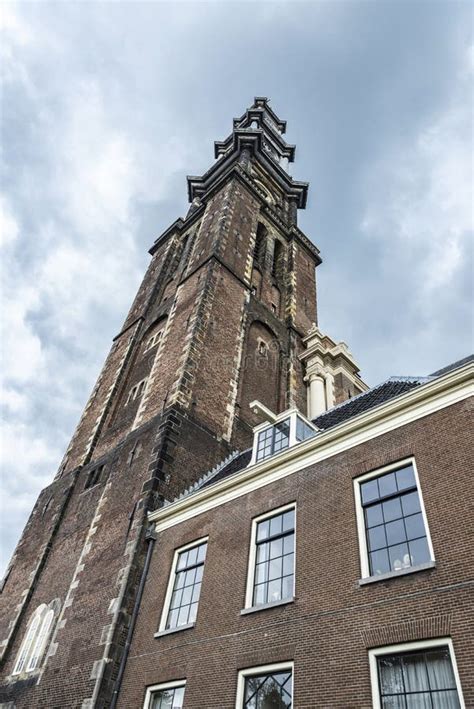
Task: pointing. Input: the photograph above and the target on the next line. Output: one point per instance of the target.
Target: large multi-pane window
(395, 533)
(266, 687)
(273, 439)
(165, 696)
(185, 586)
(421, 676)
(272, 558)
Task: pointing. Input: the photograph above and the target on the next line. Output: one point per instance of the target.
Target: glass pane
(198, 576)
(263, 552)
(183, 615)
(379, 562)
(369, 491)
(392, 509)
(410, 503)
(275, 525)
(186, 597)
(192, 556)
(395, 532)
(288, 544)
(259, 595)
(373, 515)
(276, 548)
(440, 671)
(419, 701)
(180, 580)
(376, 537)
(176, 599)
(274, 590)
(387, 484)
(419, 551)
(263, 530)
(178, 698)
(288, 520)
(390, 673)
(414, 673)
(393, 702)
(405, 478)
(415, 526)
(190, 576)
(182, 560)
(399, 557)
(196, 593)
(172, 619)
(446, 700)
(288, 566)
(192, 612)
(275, 570)
(261, 572)
(288, 584)
(202, 552)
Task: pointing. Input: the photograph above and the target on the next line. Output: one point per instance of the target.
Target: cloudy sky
(107, 106)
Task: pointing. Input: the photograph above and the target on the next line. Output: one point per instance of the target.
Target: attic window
(289, 428)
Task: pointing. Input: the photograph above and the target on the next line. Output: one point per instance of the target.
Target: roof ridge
(374, 388)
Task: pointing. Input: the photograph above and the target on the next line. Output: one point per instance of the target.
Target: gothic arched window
(37, 634)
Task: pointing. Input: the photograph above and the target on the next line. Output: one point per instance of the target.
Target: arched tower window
(260, 244)
(37, 634)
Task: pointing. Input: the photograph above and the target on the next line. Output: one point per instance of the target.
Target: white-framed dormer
(278, 432)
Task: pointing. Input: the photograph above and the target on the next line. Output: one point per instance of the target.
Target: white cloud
(420, 208)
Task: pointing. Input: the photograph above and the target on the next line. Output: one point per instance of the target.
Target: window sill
(265, 606)
(394, 574)
(170, 631)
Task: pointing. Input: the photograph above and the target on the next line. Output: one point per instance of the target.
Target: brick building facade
(195, 441)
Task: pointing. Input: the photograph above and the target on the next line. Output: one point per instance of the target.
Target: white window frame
(169, 590)
(159, 687)
(290, 414)
(399, 649)
(261, 670)
(253, 555)
(363, 553)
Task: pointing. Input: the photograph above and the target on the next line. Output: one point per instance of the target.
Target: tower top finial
(258, 133)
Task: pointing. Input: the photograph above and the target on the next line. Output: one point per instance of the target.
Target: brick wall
(333, 621)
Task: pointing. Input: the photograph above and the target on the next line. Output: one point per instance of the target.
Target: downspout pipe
(150, 538)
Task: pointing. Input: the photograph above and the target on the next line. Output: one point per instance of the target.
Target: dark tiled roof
(390, 389)
(455, 365)
(238, 463)
(395, 386)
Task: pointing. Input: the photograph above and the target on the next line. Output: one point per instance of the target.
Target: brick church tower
(221, 318)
